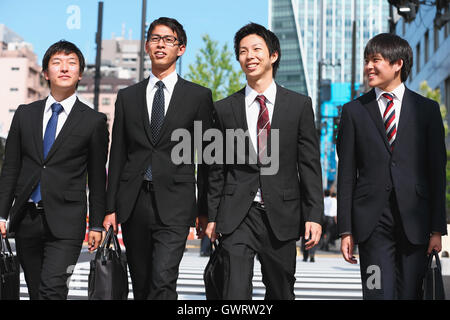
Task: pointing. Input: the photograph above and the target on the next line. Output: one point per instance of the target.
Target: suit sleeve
(205, 115)
(309, 166)
(98, 153)
(437, 161)
(118, 155)
(11, 165)
(217, 173)
(346, 171)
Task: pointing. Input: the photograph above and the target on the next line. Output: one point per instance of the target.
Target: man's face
(163, 55)
(380, 72)
(254, 57)
(63, 71)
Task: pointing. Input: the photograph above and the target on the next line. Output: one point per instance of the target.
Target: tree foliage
(213, 69)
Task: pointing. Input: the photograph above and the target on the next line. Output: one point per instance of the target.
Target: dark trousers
(154, 250)
(47, 262)
(277, 258)
(391, 267)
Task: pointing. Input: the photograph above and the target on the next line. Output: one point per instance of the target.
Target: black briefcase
(108, 277)
(215, 272)
(9, 272)
(433, 285)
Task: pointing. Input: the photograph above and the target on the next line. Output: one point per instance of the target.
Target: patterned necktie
(389, 120)
(157, 120)
(263, 127)
(49, 138)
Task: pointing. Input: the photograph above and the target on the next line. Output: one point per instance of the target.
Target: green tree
(213, 69)
(436, 96)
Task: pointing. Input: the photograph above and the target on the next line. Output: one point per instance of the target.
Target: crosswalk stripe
(314, 281)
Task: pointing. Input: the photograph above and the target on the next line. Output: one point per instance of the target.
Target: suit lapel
(38, 113)
(407, 104)
(75, 115)
(372, 107)
(280, 103)
(142, 97)
(240, 116)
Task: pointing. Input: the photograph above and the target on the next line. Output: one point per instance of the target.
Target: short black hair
(67, 48)
(392, 48)
(272, 42)
(172, 24)
(327, 193)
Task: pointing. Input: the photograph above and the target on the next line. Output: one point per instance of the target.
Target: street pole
(142, 49)
(319, 76)
(98, 58)
(353, 91)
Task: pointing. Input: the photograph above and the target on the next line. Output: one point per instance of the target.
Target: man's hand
(3, 229)
(110, 220)
(200, 226)
(211, 231)
(94, 240)
(347, 246)
(313, 231)
(435, 243)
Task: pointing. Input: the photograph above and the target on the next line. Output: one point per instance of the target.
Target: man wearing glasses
(153, 198)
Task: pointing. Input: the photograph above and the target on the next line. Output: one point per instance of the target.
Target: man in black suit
(391, 177)
(152, 197)
(258, 210)
(52, 146)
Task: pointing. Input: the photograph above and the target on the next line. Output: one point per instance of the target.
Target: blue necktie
(49, 138)
(157, 120)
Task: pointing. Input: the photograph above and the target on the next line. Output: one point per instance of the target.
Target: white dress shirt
(252, 108)
(169, 85)
(67, 104)
(397, 93)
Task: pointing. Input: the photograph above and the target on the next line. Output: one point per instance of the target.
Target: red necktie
(263, 127)
(389, 120)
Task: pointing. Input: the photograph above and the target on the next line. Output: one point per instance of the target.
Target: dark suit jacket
(294, 194)
(368, 171)
(80, 150)
(132, 151)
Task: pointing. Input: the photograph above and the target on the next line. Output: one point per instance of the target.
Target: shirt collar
(270, 94)
(169, 81)
(67, 103)
(397, 92)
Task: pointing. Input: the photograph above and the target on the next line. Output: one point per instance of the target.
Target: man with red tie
(260, 212)
(391, 175)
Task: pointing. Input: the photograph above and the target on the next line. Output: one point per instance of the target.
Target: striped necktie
(389, 120)
(263, 126)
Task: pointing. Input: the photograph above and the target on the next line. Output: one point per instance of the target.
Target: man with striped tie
(257, 212)
(391, 175)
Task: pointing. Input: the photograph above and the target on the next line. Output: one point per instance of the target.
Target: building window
(106, 101)
(418, 58)
(403, 26)
(15, 68)
(426, 40)
(12, 110)
(436, 39)
(13, 89)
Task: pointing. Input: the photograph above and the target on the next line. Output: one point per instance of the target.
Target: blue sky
(44, 22)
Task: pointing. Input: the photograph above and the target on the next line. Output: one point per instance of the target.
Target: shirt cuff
(98, 229)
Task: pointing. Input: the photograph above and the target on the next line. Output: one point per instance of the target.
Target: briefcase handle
(5, 247)
(430, 259)
(107, 242)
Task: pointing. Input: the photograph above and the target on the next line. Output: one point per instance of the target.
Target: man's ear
(181, 50)
(398, 64)
(274, 57)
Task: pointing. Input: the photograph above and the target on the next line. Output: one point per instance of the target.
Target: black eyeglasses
(168, 40)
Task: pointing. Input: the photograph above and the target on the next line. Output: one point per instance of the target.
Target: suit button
(252, 194)
(388, 188)
(44, 167)
(393, 164)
